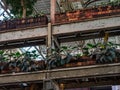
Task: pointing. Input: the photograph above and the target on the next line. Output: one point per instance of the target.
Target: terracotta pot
(79, 64)
(73, 16)
(91, 62)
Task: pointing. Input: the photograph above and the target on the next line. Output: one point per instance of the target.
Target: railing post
(52, 11)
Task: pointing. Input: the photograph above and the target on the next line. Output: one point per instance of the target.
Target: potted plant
(59, 58)
(3, 62)
(105, 53)
(86, 55)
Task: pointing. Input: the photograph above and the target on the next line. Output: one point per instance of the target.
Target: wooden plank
(22, 77)
(86, 71)
(105, 70)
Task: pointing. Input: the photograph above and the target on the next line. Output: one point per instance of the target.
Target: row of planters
(100, 53)
(23, 23)
(112, 8)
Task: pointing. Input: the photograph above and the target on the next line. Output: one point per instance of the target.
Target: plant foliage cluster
(100, 53)
(103, 52)
(17, 62)
(21, 8)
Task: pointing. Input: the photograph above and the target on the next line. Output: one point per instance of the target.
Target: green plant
(3, 56)
(104, 4)
(59, 58)
(28, 63)
(3, 60)
(114, 3)
(21, 8)
(20, 62)
(104, 52)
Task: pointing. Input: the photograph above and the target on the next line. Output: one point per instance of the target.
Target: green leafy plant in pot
(3, 62)
(59, 58)
(28, 63)
(101, 53)
(105, 52)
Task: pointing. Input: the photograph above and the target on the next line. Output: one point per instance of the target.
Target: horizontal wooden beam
(86, 71)
(22, 77)
(105, 70)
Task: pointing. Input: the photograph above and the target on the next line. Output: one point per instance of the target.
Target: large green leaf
(89, 45)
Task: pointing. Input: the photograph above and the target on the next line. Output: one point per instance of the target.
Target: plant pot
(79, 64)
(73, 16)
(91, 62)
(61, 17)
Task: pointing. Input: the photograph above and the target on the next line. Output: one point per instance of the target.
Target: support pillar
(49, 39)
(52, 11)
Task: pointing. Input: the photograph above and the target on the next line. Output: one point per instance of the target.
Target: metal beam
(5, 9)
(56, 43)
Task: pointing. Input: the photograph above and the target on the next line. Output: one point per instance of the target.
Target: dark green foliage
(16, 7)
(20, 62)
(59, 58)
(58, 61)
(105, 53)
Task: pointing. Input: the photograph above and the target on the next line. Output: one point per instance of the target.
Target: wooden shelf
(104, 70)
